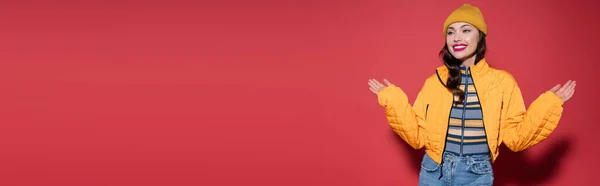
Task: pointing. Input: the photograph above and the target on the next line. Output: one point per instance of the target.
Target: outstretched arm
(520, 128)
(406, 121)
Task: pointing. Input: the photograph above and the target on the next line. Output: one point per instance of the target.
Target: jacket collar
(477, 71)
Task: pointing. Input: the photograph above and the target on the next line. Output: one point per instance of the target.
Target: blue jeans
(456, 170)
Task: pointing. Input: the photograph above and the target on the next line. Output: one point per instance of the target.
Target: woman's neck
(468, 62)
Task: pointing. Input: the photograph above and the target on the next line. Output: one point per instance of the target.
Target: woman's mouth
(459, 47)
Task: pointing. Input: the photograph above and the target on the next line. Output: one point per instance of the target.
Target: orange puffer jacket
(504, 115)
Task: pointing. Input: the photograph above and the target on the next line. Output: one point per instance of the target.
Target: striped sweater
(466, 135)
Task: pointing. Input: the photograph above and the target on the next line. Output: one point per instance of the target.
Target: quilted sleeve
(520, 128)
(406, 121)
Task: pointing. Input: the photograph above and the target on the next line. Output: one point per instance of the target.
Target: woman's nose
(457, 38)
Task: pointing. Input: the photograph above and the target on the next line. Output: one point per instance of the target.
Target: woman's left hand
(565, 92)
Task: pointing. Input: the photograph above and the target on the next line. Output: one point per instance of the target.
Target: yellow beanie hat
(466, 13)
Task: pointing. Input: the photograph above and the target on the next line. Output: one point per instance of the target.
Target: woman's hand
(565, 92)
(375, 86)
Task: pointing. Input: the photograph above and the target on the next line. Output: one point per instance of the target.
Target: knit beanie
(466, 13)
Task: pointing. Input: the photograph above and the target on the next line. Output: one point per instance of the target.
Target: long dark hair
(453, 65)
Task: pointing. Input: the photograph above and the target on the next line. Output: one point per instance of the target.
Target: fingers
(565, 92)
(387, 83)
(568, 84)
(375, 83)
(571, 87)
(371, 83)
(555, 88)
(570, 91)
(373, 90)
(570, 94)
(379, 84)
(375, 86)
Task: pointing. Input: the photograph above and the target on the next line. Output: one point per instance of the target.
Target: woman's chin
(462, 57)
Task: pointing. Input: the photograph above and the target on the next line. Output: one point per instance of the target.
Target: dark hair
(453, 65)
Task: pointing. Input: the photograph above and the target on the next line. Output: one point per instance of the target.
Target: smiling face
(461, 40)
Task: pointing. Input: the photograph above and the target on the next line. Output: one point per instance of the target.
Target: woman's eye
(450, 33)
(466, 31)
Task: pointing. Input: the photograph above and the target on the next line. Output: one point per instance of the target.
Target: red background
(265, 92)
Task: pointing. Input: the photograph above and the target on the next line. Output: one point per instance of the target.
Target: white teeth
(460, 47)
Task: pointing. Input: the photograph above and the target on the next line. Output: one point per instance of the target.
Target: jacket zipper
(482, 114)
(446, 137)
(462, 129)
(447, 122)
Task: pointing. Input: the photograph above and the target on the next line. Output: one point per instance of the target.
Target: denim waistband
(451, 157)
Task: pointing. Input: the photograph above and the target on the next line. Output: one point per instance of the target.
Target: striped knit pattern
(466, 135)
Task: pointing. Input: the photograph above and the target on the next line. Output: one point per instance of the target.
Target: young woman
(467, 109)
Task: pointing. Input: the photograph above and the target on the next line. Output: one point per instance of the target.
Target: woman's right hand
(375, 86)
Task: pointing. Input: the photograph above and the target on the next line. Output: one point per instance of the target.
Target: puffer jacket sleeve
(406, 121)
(521, 128)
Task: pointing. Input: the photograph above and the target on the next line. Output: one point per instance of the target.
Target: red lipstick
(459, 47)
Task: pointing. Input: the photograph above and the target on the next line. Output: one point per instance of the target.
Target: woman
(467, 109)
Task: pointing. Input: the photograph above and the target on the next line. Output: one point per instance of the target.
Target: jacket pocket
(499, 136)
(426, 111)
(500, 117)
